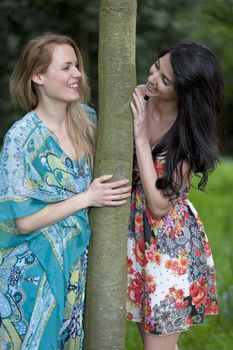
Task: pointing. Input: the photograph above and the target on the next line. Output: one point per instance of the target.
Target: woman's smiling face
(160, 82)
(60, 82)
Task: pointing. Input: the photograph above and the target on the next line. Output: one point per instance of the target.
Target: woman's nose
(153, 78)
(76, 72)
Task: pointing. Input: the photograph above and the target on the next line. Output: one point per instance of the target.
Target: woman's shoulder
(20, 130)
(91, 113)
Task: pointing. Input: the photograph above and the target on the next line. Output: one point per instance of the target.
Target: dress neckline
(42, 124)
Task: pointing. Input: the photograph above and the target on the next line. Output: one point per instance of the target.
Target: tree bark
(106, 283)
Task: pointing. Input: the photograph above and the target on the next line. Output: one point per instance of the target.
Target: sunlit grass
(216, 210)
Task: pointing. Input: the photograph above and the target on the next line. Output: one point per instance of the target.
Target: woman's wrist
(81, 201)
(142, 142)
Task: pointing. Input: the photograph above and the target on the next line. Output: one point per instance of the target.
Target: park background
(159, 24)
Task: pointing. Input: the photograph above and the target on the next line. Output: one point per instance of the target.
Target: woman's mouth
(73, 86)
(151, 87)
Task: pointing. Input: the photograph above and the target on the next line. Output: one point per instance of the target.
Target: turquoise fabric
(35, 172)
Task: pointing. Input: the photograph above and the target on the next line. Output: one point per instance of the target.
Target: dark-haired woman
(171, 275)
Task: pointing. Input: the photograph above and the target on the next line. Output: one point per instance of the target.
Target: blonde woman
(46, 188)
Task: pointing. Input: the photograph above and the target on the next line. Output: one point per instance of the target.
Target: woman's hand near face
(138, 106)
(103, 193)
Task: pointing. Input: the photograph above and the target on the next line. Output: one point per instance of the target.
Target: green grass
(216, 210)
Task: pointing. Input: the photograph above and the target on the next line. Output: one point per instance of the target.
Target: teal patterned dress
(42, 274)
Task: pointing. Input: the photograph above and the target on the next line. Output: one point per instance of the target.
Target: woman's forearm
(157, 203)
(51, 213)
(100, 193)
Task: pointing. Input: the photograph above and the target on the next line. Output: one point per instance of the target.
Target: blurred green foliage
(159, 23)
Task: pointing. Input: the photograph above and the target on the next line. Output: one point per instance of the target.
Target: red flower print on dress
(178, 295)
(179, 266)
(150, 283)
(189, 320)
(199, 222)
(152, 219)
(139, 252)
(198, 252)
(157, 258)
(207, 249)
(129, 316)
(132, 206)
(168, 264)
(159, 167)
(138, 223)
(134, 291)
(213, 289)
(211, 307)
(148, 328)
(130, 266)
(152, 254)
(213, 277)
(198, 292)
(138, 200)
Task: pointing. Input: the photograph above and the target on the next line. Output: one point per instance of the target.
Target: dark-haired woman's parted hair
(192, 138)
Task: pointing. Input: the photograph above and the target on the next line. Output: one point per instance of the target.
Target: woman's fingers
(138, 105)
(115, 203)
(121, 190)
(118, 196)
(117, 193)
(111, 185)
(104, 178)
(140, 99)
(133, 108)
(113, 193)
(118, 183)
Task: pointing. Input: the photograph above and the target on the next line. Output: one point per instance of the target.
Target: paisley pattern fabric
(42, 274)
(171, 275)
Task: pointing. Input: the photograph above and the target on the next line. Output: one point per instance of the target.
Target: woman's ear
(37, 79)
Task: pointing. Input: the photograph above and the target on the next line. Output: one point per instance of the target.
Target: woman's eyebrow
(69, 62)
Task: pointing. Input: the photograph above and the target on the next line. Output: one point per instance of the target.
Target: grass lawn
(216, 211)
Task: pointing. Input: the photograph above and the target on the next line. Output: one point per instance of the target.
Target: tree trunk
(106, 286)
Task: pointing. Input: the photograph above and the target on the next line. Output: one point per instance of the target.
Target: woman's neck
(162, 111)
(54, 117)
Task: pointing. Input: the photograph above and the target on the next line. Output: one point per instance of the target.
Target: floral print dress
(171, 275)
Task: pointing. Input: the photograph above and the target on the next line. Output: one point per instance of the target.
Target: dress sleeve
(91, 114)
(15, 195)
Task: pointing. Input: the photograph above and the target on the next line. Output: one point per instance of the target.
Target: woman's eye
(166, 81)
(65, 68)
(157, 64)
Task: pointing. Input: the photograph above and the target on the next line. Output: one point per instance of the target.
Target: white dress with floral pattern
(171, 275)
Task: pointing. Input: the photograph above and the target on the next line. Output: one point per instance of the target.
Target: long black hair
(192, 138)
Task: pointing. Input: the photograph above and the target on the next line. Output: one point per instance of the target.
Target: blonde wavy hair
(35, 58)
